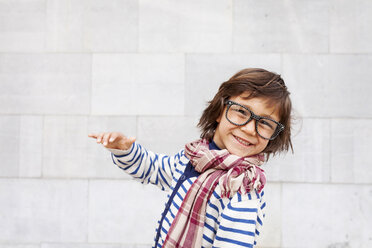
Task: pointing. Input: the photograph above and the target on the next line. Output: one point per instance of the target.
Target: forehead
(259, 105)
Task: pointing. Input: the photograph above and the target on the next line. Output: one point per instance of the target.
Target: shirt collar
(213, 146)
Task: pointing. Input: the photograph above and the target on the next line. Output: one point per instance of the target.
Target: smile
(242, 141)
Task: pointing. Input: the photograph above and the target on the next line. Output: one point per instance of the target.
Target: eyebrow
(263, 115)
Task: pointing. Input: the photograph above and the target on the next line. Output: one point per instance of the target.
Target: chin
(239, 153)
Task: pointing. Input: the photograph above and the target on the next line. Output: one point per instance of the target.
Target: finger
(92, 135)
(99, 138)
(113, 137)
(106, 138)
(131, 140)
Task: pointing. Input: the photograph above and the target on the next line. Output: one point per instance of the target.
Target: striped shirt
(230, 222)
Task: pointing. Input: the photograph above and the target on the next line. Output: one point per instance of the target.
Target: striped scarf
(232, 173)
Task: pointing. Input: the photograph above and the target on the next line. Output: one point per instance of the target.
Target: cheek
(263, 143)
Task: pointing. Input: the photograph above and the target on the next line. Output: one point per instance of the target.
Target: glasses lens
(238, 114)
(267, 128)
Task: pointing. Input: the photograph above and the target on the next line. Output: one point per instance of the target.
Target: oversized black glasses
(240, 115)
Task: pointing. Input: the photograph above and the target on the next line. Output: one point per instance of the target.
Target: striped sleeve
(146, 166)
(240, 222)
(260, 217)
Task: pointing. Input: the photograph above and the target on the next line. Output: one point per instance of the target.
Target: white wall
(147, 68)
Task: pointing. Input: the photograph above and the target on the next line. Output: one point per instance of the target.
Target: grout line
(329, 27)
(282, 64)
(232, 26)
(281, 214)
(64, 179)
(169, 115)
(137, 128)
(131, 179)
(199, 53)
(88, 211)
(42, 146)
(185, 93)
(46, 25)
(330, 151)
(138, 27)
(91, 85)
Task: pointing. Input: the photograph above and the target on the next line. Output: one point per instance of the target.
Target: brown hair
(259, 83)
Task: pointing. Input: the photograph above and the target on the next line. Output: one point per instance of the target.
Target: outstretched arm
(143, 165)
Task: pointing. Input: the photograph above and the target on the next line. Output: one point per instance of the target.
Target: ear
(219, 118)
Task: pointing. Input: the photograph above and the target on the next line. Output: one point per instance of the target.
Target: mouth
(242, 141)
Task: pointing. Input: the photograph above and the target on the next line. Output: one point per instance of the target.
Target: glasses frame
(277, 131)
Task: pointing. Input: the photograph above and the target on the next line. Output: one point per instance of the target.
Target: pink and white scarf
(217, 167)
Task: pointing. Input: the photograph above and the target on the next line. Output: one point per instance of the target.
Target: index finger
(93, 135)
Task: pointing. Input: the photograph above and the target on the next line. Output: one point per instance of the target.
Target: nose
(250, 127)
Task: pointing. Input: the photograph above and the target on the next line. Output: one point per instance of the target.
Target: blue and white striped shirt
(230, 222)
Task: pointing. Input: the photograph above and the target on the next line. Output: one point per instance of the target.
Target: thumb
(131, 140)
(128, 143)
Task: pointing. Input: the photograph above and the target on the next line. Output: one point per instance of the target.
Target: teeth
(242, 141)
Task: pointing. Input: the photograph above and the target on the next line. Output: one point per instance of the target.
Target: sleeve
(146, 166)
(241, 222)
(260, 217)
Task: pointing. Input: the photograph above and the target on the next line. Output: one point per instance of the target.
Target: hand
(114, 140)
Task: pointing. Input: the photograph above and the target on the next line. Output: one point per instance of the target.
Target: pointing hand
(114, 140)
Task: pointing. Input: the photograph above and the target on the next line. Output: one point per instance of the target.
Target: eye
(267, 124)
(240, 110)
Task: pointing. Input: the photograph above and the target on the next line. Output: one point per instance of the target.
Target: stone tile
(167, 135)
(350, 26)
(68, 152)
(112, 26)
(271, 235)
(22, 26)
(310, 161)
(45, 83)
(127, 208)
(178, 26)
(97, 26)
(307, 86)
(325, 89)
(325, 215)
(281, 26)
(138, 84)
(351, 145)
(43, 210)
(205, 73)
(30, 146)
(350, 86)
(64, 143)
(65, 25)
(10, 146)
(21, 149)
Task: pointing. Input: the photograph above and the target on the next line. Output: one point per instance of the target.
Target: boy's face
(243, 140)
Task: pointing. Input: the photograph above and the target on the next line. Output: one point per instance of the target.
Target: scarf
(217, 167)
